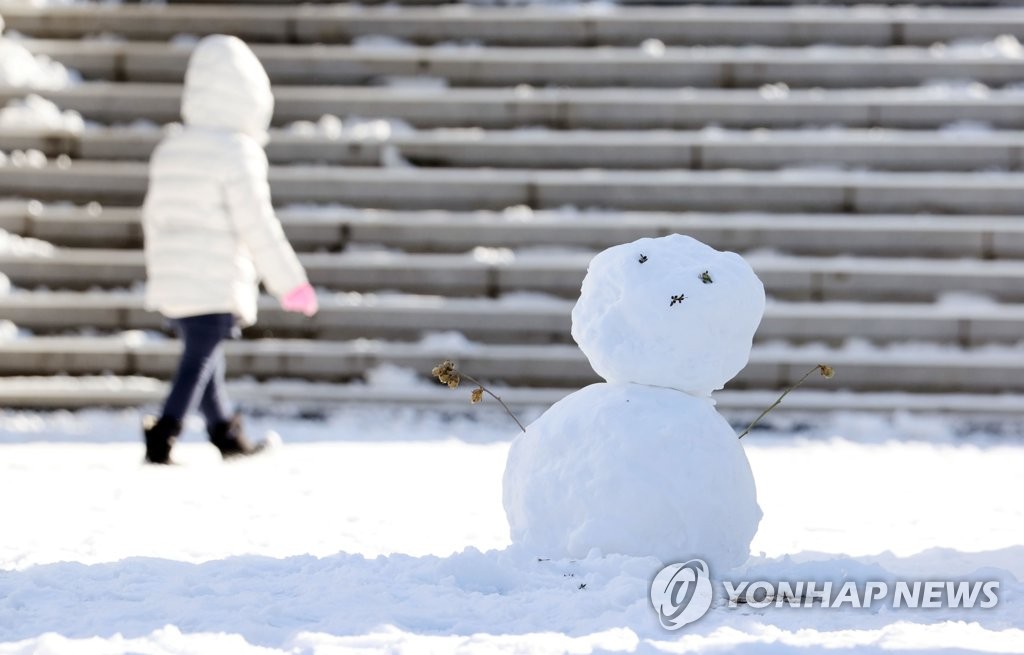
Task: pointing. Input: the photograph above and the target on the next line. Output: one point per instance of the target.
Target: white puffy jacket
(210, 230)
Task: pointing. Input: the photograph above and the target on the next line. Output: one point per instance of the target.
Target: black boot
(160, 437)
(229, 437)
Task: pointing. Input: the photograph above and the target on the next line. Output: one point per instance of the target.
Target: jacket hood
(227, 88)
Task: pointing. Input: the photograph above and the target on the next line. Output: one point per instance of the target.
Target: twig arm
(496, 397)
(825, 371)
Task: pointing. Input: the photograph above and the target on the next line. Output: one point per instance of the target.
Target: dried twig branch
(449, 374)
(826, 372)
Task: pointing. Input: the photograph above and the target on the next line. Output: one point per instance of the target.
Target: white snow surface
(634, 470)
(21, 68)
(19, 246)
(647, 315)
(381, 530)
(36, 113)
(25, 158)
(353, 127)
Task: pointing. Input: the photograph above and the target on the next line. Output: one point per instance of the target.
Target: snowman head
(669, 312)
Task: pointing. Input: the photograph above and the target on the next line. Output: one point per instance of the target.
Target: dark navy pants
(200, 376)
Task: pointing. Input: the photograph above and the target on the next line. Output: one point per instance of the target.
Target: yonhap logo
(681, 593)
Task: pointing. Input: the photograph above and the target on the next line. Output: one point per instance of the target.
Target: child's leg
(225, 429)
(202, 336)
(214, 404)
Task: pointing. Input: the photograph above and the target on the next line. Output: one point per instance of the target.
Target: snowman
(642, 464)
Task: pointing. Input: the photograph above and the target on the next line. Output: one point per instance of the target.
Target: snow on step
(923, 368)
(493, 66)
(773, 106)
(537, 25)
(709, 149)
(129, 391)
(560, 273)
(497, 272)
(525, 320)
(802, 4)
(63, 391)
(514, 319)
(452, 188)
(337, 227)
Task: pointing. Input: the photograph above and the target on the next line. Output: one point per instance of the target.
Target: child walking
(211, 235)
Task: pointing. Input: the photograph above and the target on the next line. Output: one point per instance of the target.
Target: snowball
(393, 378)
(635, 470)
(653, 47)
(330, 126)
(670, 312)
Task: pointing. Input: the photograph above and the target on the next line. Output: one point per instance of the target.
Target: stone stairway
(863, 158)
(739, 22)
(898, 150)
(567, 108)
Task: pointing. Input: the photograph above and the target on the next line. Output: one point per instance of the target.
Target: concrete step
(757, 3)
(706, 149)
(720, 67)
(495, 273)
(285, 147)
(79, 392)
(891, 369)
(578, 25)
(337, 228)
(560, 108)
(630, 3)
(525, 320)
(124, 183)
(90, 391)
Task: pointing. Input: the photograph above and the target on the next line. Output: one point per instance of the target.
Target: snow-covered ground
(381, 529)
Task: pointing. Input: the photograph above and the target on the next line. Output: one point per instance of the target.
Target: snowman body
(643, 464)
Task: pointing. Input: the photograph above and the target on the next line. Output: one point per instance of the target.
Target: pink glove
(301, 299)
